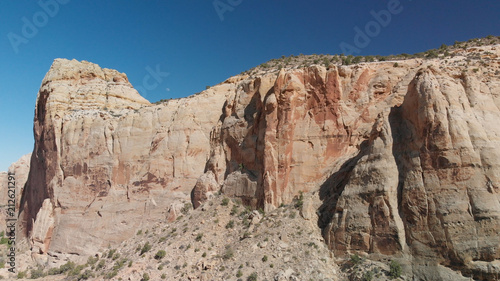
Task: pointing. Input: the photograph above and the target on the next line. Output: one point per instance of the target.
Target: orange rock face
(404, 158)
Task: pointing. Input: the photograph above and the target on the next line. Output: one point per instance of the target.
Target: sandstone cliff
(403, 158)
(20, 169)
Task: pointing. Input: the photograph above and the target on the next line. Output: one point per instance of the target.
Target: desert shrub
(199, 237)
(119, 264)
(395, 269)
(299, 202)
(225, 201)
(111, 274)
(368, 276)
(76, 270)
(252, 277)
(111, 253)
(264, 258)
(101, 264)
(86, 275)
(21, 275)
(92, 260)
(145, 248)
(145, 277)
(355, 259)
(37, 273)
(234, 210)
(53, 271)
(160, 254)
(230, 224)
(186, 208)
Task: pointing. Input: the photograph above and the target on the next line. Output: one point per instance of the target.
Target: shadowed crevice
(333, 187)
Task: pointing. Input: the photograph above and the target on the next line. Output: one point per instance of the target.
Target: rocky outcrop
(403, 156)
(426, 182)
(107, 160)
(20, 170)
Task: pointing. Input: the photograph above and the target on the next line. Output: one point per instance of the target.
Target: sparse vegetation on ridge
(327, 60)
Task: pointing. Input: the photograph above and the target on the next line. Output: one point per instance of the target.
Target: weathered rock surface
(107, 160)
(404, 157)
(20, 169)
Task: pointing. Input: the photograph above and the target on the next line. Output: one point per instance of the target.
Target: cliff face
(106, 160)
(403, 158)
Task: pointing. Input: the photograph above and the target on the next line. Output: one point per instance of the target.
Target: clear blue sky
(189, 40)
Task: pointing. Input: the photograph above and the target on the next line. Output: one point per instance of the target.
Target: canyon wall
(403, 157)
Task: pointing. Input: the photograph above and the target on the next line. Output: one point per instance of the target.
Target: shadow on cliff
(333, 187)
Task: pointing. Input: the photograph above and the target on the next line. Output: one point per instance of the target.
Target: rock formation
(404, 157)
(20, 169)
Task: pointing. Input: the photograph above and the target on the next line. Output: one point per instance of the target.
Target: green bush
(395, 269)
(368, 276)
(225, 201)
(111, 274)
(62, 269)
(53, 271)
(37, 273)
(119, 264)
(92, 260)
(199, 237)
(239, 273)
(111, 253)
(234, 210)
(86, 275)
(160, 254)
(186, 208)
(145, 277)
(21, 275)
(230, 224)
(355, 259)
(264, 258)
(145, 248)
(299, 201)
(100, 265)
(252, 277)
(76, 270)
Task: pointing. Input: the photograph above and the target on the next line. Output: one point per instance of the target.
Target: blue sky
(202, 43)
